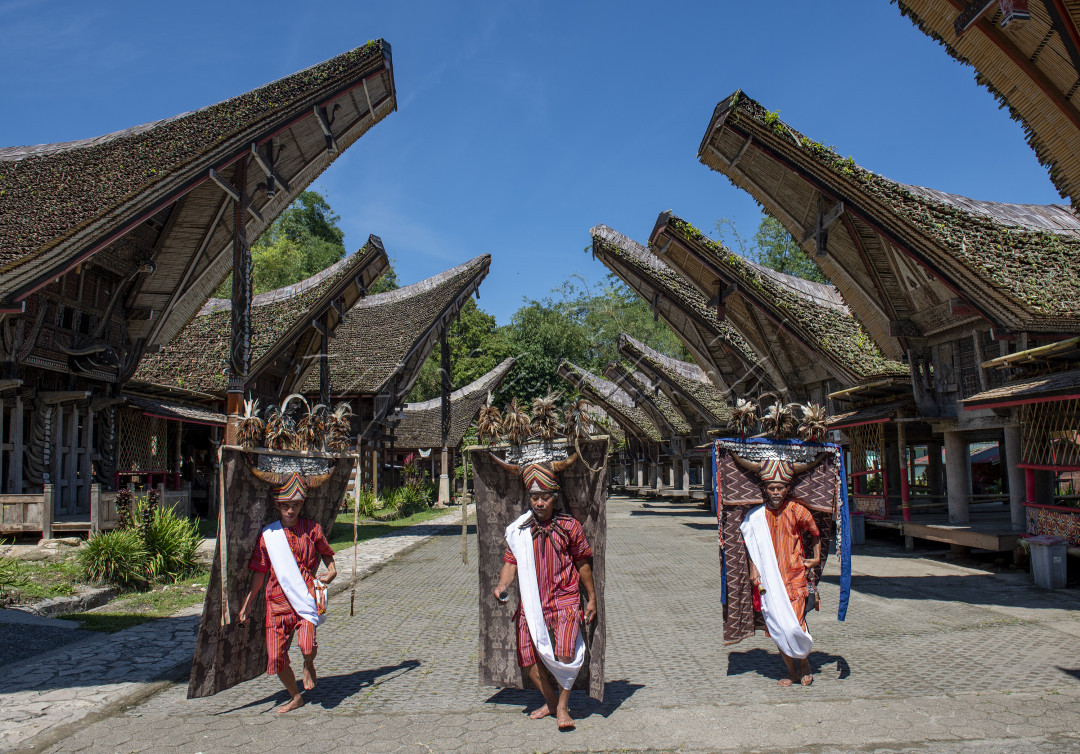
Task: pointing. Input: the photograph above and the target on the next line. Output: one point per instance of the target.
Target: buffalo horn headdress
(538, 477)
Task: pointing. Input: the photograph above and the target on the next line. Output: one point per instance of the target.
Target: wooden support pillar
(957, 462)
(324, 364)
(87, 471)
(671, 473)
(96, 514)
(16, 435)
(47, 511)
(444, 456)
(639, 473)
(904, 469)
(686, 475)
(1017, 482)
(240, 321)
(933, 468)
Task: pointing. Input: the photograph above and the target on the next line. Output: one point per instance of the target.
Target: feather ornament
(779, 420)
(517, 426)
(743, 417)
(814, 424)
(545, 420)
(249, 429)
(489, 425)
(338, 428)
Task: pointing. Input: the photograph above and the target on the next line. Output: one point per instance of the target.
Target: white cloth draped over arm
(784, 627)
(288, 574)
(521, 545)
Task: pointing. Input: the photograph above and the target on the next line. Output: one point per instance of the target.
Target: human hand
(501, 593)
(243, 615)
(811, 562)
(590, 611)
(327, 577)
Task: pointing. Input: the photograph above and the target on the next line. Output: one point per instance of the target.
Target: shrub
(125, 503)
(409, 500)
(115, 557)
(12, 578)
(366, 503)
(171, 542)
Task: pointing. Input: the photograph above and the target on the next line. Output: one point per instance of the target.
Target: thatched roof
(1050, 387)
(421, 424)
(613, 400)
(872, 414)
(727, 358)
(146, 203)
(188, 413)
(685, 384)
(285, 342)
(387, 337)
(910, 262)
(805, 326)
(1029, 67)
(647, 395)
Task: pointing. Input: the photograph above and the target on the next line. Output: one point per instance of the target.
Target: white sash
(783, 624)
(521, 544)
(288, 575)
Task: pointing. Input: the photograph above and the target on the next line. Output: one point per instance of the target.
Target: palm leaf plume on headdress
(279, 431)
(249, 429)
(779, 420)
(309, 429)
(338, 428)
(743, 417)
(545, 421)
(489, 424)
(814, 423)
(579, 423)
(516, 425)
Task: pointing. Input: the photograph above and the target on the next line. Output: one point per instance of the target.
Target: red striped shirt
(555, 557)
(308, 545)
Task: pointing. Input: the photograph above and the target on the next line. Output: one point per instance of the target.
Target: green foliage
(125, 500)
(12, 577)
(172, 542)
(773, 247)
(367, 503)
(304, 240)
(388, 281)
(115, 557)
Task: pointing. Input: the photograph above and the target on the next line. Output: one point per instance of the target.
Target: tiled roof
(182, 412)
(869, 414)
(684, 378)
(197, 357)
(391, 334)
(421, 425)
(612, 399)
(814, 312)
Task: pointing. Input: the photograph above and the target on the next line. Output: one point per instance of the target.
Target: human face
(542, 504)
(775, 492)
(289, 511)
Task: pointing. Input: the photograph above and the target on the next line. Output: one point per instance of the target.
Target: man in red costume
(787, 519)
(291, 607)
(556, 566)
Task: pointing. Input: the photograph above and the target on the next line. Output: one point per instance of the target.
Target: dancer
(773, 534)
(548, 554)
(289, 550)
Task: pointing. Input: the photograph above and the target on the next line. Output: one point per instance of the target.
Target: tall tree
(304, 240)
(773, 247)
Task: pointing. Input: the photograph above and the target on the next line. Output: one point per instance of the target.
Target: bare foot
(784, 682)
(294, 703)
(536, 714)
(565, 721)
(807, 679)
(310, 679)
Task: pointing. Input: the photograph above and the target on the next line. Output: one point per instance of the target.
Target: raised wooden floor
(988, 529)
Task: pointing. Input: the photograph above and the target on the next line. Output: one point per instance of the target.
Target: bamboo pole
(465, 514)
(355, 524)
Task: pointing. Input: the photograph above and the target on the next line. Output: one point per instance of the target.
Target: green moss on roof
(1035, 268)
(47, 192)
(830, 329)
(380, 331)
(676, 286)
(615, 403)
(700, 390)
(197, 357)
(661, 402)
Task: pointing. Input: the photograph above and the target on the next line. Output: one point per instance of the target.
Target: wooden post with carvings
(240, 331)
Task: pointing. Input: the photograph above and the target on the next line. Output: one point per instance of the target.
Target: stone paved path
(933, 656)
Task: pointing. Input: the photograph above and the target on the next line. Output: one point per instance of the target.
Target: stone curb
(138, 691)
(87, 599)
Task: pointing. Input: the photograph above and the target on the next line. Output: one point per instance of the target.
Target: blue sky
(522, 124)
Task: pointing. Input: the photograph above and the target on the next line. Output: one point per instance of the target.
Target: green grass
(46, 580)
(133, 608)
(341, 536)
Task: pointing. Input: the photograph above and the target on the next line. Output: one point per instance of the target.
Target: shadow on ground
(581, 704)
(771, 665)
(975, 589)
(332, 690)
